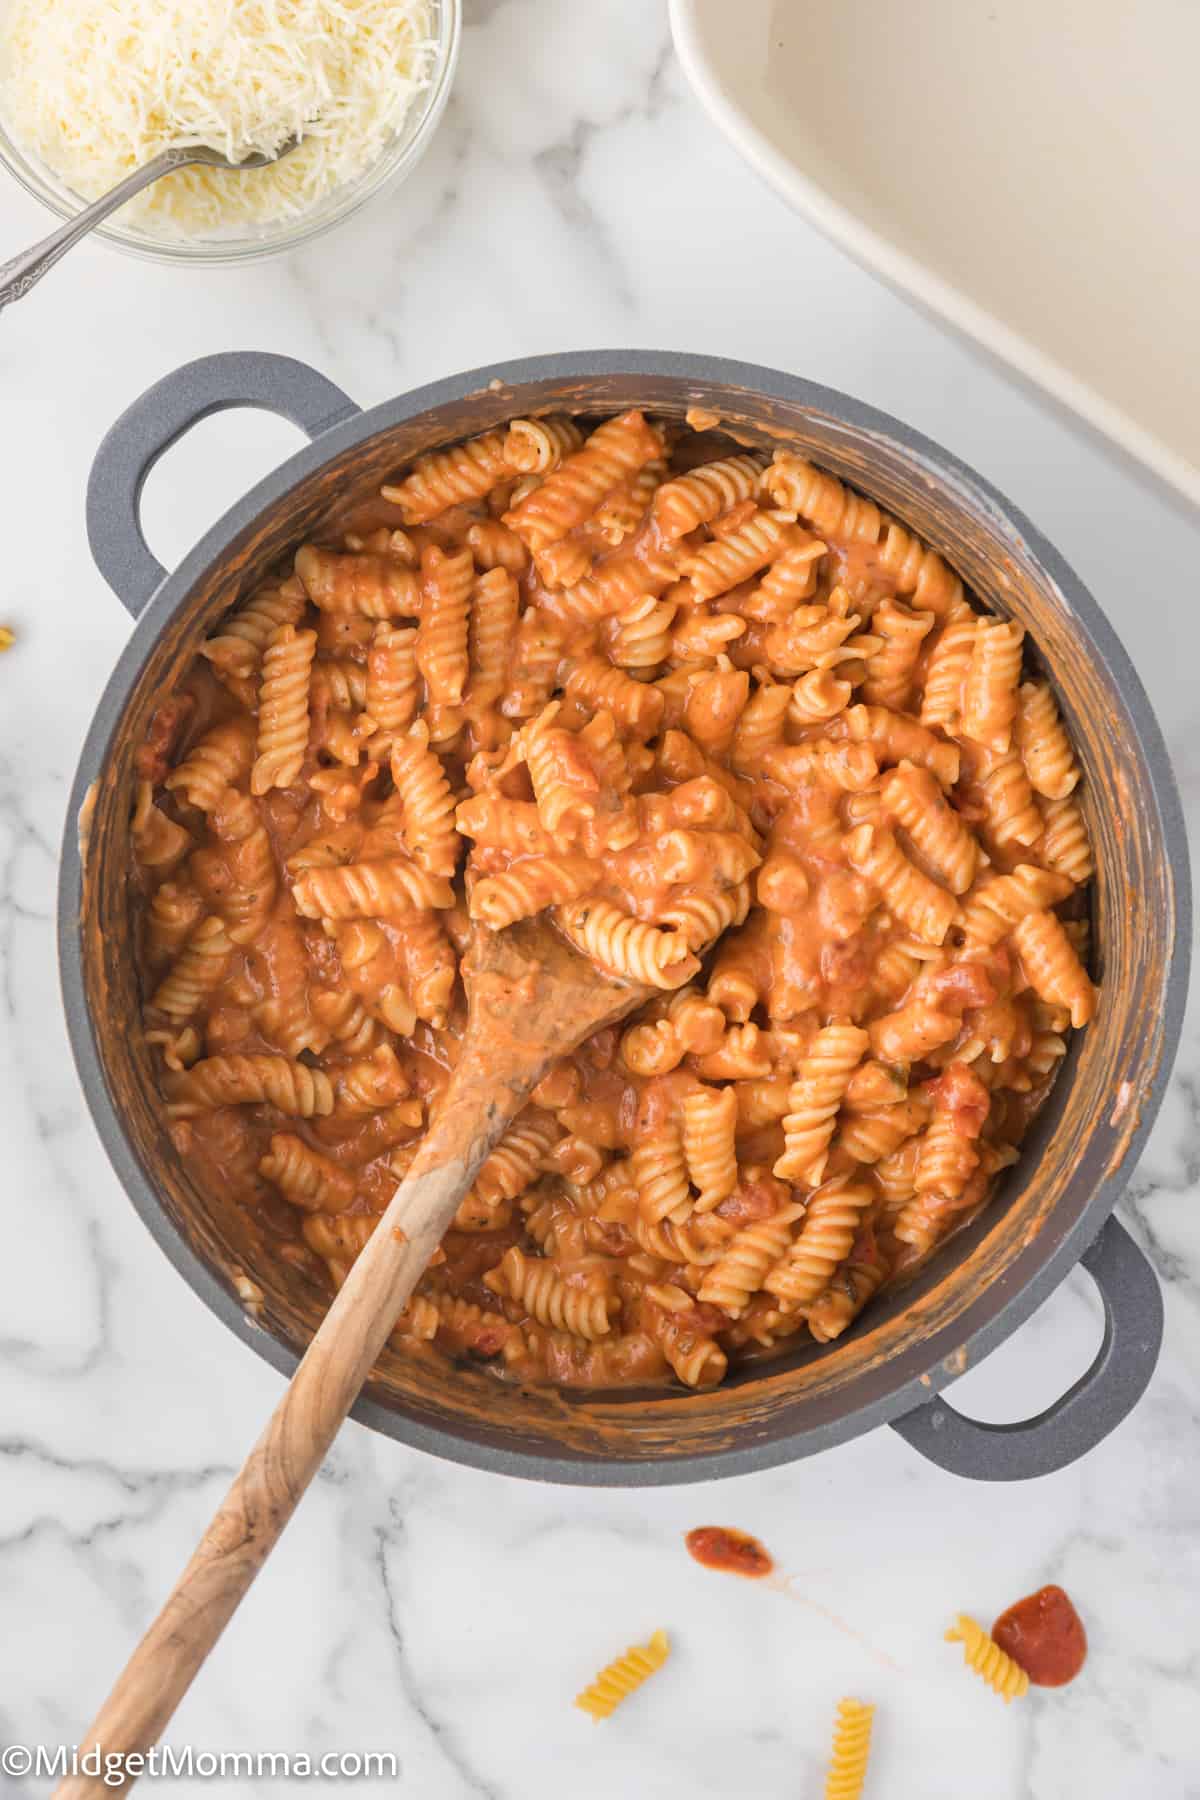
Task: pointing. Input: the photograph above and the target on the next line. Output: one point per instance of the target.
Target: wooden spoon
(531, 1000)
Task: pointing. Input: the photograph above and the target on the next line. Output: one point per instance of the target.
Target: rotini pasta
(839, 514)
(621, 511)
(1052, 964)
(894, 737)
(723, 563)
(814, 1098)
(789, 577)
(1011, 813)
(659, 1169)
(442, 636)
(196, 974)
(817, 696)
(917, 570)
(534, 1284)
(695, 1356)
(743, 1266)
(236, 649)
(942, 1178)
(949, 660)
(997, 905)
(916, 802)
(989, 703)
(984, 1657)
(709, 1128)
(450, 477)
(305, 1177)
(494, 546)
(495, 609)
(851, 1750)
(825, 1239)
(1044, 745)
(744, 740)
(642, 640)
(283, 708)
(705, 493)
(221, 759)
(368, 890)
(623, 1677)
(420, 780)
(1064, 845)
(699, 640)
(393, 691)
(172, 913)
(515, 1161)
(371, 585)
(837, 1306)
(892, 670)
(535, 446)
(536, 883)
(759, 726)
(926, 909)
(247, 867)
(290, 1087)
(570, 492)
(626, 946)
(597, 685)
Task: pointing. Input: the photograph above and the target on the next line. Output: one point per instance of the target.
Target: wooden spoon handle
(264, 1495)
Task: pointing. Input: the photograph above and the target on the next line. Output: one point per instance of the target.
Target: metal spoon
(20, 274)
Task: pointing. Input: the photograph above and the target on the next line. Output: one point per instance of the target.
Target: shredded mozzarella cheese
(95, 88)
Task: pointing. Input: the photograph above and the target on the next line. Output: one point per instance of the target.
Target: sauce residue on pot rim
(736, 1552)
(1044, 1635)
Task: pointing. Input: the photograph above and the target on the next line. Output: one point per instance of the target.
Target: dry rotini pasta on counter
(748, 742)
(851, 1750)
(622, 1677)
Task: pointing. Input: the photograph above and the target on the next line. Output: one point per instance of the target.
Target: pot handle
(163, 413)
(1088, 1411)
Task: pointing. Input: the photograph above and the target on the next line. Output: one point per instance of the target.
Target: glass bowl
(251, 242)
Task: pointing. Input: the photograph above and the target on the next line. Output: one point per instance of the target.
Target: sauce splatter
(1045, 1635)
(719, 1547)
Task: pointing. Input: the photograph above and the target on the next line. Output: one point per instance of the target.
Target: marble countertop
(575, 196)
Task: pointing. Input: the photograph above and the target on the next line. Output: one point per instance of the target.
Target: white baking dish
(1027, 169)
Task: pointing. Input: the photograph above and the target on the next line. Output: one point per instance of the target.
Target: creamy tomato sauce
(745, 740)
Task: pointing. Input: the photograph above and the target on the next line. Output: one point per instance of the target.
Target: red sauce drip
(1045, 1635)
(718, 1547)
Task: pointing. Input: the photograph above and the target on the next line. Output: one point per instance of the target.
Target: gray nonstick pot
(1055, 1208)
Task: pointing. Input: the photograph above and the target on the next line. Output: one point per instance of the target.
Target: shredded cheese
(95, 88)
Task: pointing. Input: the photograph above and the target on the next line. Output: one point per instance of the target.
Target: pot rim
(916, 1374)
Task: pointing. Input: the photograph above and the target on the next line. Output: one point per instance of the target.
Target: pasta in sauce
(750, 742)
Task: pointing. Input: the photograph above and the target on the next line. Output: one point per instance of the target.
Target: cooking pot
(1054, 1207)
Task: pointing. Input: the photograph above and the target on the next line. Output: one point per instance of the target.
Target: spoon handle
(248, 1523)
(22, 272)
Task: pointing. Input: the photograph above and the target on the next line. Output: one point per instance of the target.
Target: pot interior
(915, 1335)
